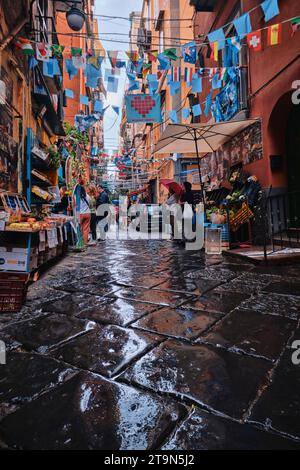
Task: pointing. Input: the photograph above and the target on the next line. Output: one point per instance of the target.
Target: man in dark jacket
(102, 198)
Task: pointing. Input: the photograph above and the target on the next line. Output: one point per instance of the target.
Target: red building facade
(266, 85)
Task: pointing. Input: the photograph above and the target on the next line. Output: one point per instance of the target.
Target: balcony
(203, 5)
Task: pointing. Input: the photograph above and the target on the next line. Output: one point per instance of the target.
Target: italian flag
(274, 34)
(25, 46)
(295, 25)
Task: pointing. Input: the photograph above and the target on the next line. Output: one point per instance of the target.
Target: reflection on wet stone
(117, 311)
(220, 380)
(105, 350)
(156, 296)
(25, 375)
(274, 304)
(88, 412)
(279, 406)
(44, 332)
(245, 330)
(181, 323)
(204, 431)
(216, 302)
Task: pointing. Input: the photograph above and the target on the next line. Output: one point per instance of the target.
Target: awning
(181, 138)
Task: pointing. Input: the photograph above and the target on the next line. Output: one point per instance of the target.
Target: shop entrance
(293, 165)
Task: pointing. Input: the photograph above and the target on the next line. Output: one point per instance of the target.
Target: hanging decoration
(143, 108)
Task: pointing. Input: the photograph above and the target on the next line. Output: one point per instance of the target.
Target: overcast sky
(117, 8)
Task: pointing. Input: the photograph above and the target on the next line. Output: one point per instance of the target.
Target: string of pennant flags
(74, 59)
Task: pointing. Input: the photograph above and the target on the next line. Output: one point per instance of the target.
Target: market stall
(27, 244)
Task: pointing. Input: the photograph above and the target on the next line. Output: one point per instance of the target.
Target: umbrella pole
(199, 169)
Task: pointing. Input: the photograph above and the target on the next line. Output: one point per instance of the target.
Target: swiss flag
(254, 41)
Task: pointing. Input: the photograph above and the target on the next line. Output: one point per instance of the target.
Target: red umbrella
(171, 184)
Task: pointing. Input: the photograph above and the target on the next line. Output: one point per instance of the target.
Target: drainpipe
(6, 41)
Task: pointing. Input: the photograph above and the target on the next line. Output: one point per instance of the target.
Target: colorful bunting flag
(116, 109)
(171, 53)
(208, 104)
(235, 42)
(295, 23)
(216, 82)
(57, 50)
(243, 25)
(79, 62)
(98, 106)
(71, 70)
(113, 57)
(43, 51)
(76, 51)
(32, 62)
(84, 100)
(25, 46)
(133, 55)
(186, 113)
(189, 52)
(215, 49)
(197, 111)
(270, 9)
(188, 74)
(196, 84)
(174, 88)
(152, 56)
(254, 41)
(217, 36)
(112, 84)
(224, 73)
(274, 34)
(164, 62)
(69, 93)
(176, 74)
(173, 116)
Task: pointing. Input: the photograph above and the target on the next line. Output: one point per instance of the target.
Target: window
(161, 40)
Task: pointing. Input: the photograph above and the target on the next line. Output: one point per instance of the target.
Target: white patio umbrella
(199, 138)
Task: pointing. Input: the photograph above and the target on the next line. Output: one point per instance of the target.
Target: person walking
(173, 198)
(93, 192)
(102, 199)
(85, 213)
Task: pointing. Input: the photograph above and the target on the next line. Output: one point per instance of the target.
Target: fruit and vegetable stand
(26, 246)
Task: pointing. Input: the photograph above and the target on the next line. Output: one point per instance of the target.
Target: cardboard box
(12, 261)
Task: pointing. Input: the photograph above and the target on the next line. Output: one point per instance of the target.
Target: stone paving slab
(204, 431)
(274, 304)
(117, 311)
(217, 379)
(279, 406)
(106, 350)
(147, 281)
(284, 287)
(186, 285)
(45, 332)
(88, 412)
(245, 331)
(157, 297)
(96, 288)
(219, 302)
(26, 375)
(179, 323)
(74, 304)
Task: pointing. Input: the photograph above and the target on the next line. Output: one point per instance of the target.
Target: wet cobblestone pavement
(143, 345)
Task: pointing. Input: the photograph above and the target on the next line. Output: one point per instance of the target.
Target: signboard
(143, 108)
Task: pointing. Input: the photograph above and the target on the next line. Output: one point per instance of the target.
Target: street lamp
(75, 18)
